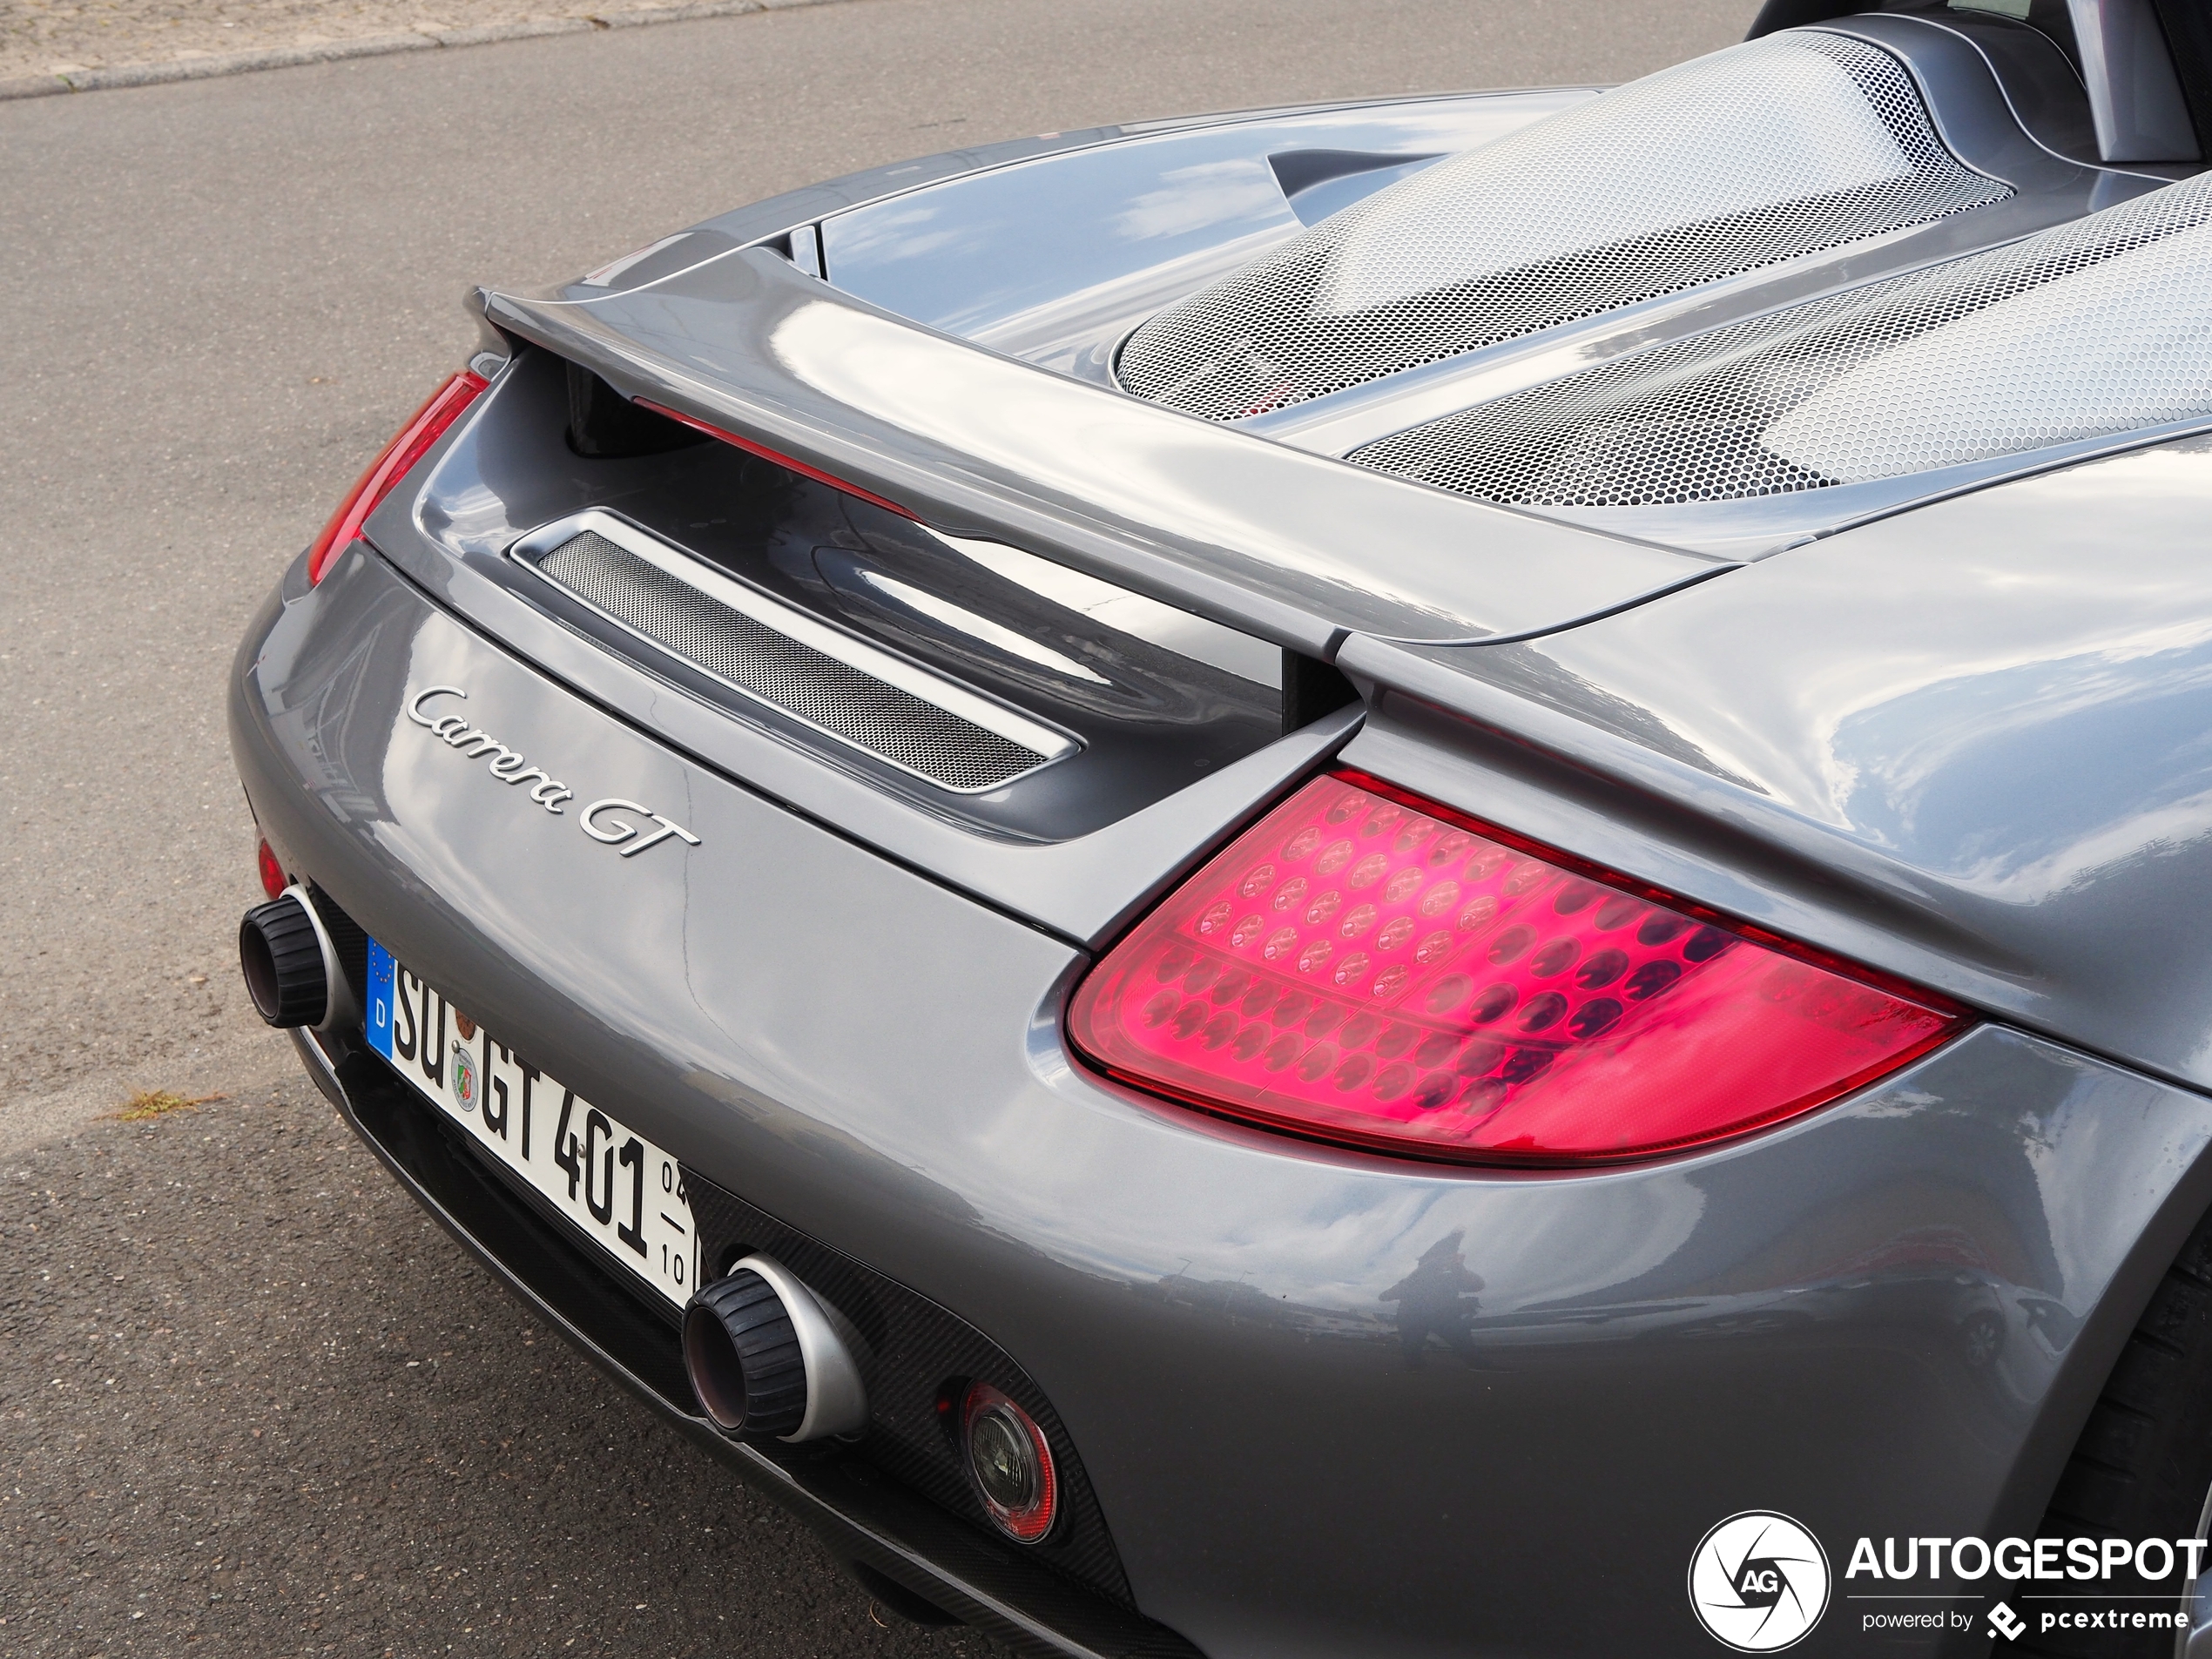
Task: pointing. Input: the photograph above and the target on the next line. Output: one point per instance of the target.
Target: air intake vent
(2095, 329)
(830, 682)
(1780, 147)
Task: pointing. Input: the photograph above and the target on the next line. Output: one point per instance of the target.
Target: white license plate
(625, 1193)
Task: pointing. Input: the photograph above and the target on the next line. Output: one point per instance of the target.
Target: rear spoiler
(1297, 548)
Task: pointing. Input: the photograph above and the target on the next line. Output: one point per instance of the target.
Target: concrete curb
(207, 67)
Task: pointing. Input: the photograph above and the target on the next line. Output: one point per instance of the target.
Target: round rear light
(1009, 1463)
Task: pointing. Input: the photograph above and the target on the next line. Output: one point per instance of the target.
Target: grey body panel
(1965, 744)
(1053, 261)
(1332, 125)
(1085, 888)
(1219, 1315)
(1147, 714)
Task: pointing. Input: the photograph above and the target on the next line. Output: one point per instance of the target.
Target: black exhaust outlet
(286, 958)
(768, 1358)
(744, 1358)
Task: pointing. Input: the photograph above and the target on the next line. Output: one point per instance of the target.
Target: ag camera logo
(1758, 1581)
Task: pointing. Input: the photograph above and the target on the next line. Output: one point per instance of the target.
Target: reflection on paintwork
(1438, 1301)
(1190, 474)
(2004, 702)
(1040, 256)
(1906, 1269)
(1565, 1256)
(1238, 192)
(958, 617)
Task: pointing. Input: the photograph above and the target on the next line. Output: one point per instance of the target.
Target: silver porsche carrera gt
(1424, 877)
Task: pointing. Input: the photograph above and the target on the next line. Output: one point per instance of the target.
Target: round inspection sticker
(464, 1077)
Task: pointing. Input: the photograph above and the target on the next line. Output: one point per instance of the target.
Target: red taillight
(752, 448)
(272, 878)
(1366, 966)
(397, 458)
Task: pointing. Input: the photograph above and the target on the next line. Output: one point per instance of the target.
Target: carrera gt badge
(549, 791)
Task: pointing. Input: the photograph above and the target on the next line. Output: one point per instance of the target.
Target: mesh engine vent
(744, 652)
(2088, 330)
(1779, 147)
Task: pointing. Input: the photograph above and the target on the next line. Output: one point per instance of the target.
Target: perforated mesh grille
(742, 651)
(1770, 149)
(2094, 329)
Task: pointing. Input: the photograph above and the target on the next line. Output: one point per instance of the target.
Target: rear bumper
(1296, 1448)
(859, 1515)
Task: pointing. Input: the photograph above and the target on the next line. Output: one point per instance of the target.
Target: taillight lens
(274, 879)
(1010, 1462)
(1368, 967)
(392, 464)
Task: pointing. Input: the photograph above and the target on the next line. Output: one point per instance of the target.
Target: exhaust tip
(743, 1357)
(768, 1359)
(284, 958)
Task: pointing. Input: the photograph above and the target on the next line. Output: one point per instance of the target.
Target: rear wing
(1300, 549)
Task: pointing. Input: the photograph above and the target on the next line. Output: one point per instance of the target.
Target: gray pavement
(255, 1403)
(224, 296)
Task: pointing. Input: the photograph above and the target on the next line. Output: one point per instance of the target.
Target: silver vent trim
(1767, 151)
(2088, 330)
(824, 678)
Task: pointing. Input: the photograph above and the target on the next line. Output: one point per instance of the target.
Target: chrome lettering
(667, 826)
(547, 791)
(618, 830)
(415, 704)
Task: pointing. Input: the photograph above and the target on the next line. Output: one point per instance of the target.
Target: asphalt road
(223, 295)
(254, 1404)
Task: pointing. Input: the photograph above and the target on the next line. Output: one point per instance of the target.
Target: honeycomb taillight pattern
(1364, 968)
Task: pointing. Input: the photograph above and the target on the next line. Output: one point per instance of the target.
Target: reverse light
(393, 464)
(1366, 966)
(1010, 1463)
